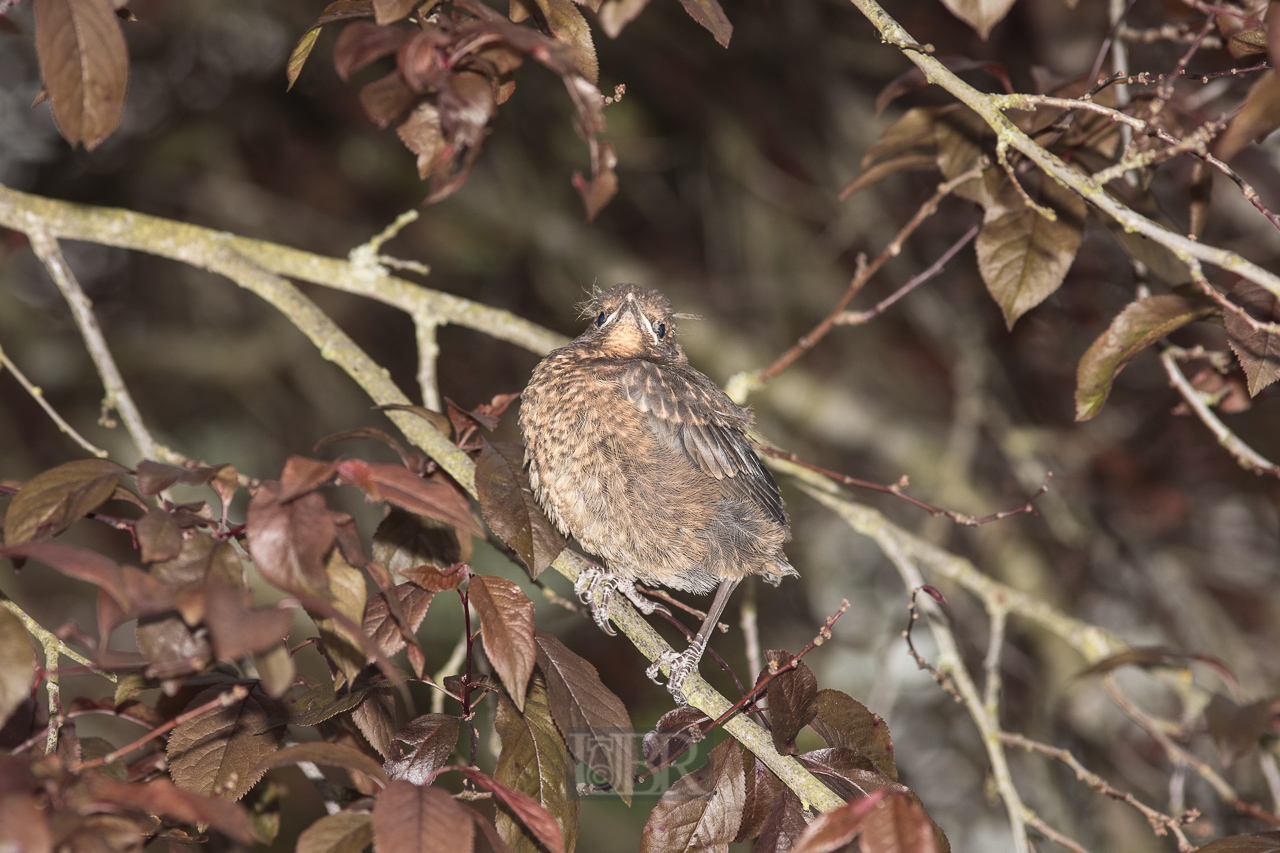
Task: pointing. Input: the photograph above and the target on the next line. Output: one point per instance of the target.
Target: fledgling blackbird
(646, 462)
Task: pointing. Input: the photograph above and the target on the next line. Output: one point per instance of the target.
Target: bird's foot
(594, 587)
(643, 603)
(682, 666)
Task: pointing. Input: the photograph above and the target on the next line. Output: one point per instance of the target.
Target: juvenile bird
(646, 462)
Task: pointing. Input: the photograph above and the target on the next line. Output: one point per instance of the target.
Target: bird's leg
(682, 664)
(594, 587)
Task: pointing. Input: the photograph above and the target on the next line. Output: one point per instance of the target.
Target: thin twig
(222, 700)
(1160, 822)
(864, 275)
(50, 254)
(855, 318)
(896, 489)
(1245, 455)
(37, 394)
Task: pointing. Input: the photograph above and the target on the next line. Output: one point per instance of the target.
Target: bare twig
(222, 700)
(863, 275)
(45, 245)
(1161, 823)
(896, 490)
(37, 394)
(856, 318)
(1245, 455)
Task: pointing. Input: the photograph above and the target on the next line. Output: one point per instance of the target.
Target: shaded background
(730, 164)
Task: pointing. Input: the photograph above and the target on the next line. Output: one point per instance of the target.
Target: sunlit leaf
(1137, 327)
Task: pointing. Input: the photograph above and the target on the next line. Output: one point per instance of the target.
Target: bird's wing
(690, 415)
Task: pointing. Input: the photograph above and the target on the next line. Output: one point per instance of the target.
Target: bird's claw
(594, 587)
(681, 666)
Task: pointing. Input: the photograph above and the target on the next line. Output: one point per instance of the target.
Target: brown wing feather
(690, 415)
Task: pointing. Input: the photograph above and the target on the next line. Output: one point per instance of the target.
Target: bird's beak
(630, 306)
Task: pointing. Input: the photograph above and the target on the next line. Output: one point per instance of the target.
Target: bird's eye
(600, 319)
(662, 330)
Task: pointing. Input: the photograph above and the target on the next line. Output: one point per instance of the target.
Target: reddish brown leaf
(202, 557)
(616, 14)
(1137, 327)
(1263, 842)
(569, 26)
(422, 135)
(154, 477)
(159, 536)
(710, 15)
(49, 502)
(319, 752)
(411, 819)
(433, 579)
(1257, 349)
(509, 508)
(529, 812)
(17, 665)
(383, 628)
(302, 475)
(593, 719)
(783, 826)
(219, 752)
(26, 826)
(672, 734)
(763, 789)
(702, 810)
(289, 541)
(535, 761)
(375, 717)
(433, 738)
(405, 489)
(982, 15)
(404, 540)
(885, 168)
(843, 721)
(133, 590)
(791, 696)
(834, 829)
(361, 43)
(237, 629)
(1257, 119)
(386, 99)
(321, 703)
(85, 65)
(897, 824)
(160, 797)
(603, 184)
(390, 11)
(344, 832)
(506, 617)
(1237, 729)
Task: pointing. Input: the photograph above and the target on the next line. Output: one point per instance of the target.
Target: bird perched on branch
(647, 463)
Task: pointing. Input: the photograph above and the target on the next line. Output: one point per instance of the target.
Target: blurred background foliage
(730, 164)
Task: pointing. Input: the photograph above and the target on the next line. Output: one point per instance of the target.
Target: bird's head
(630, 321)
